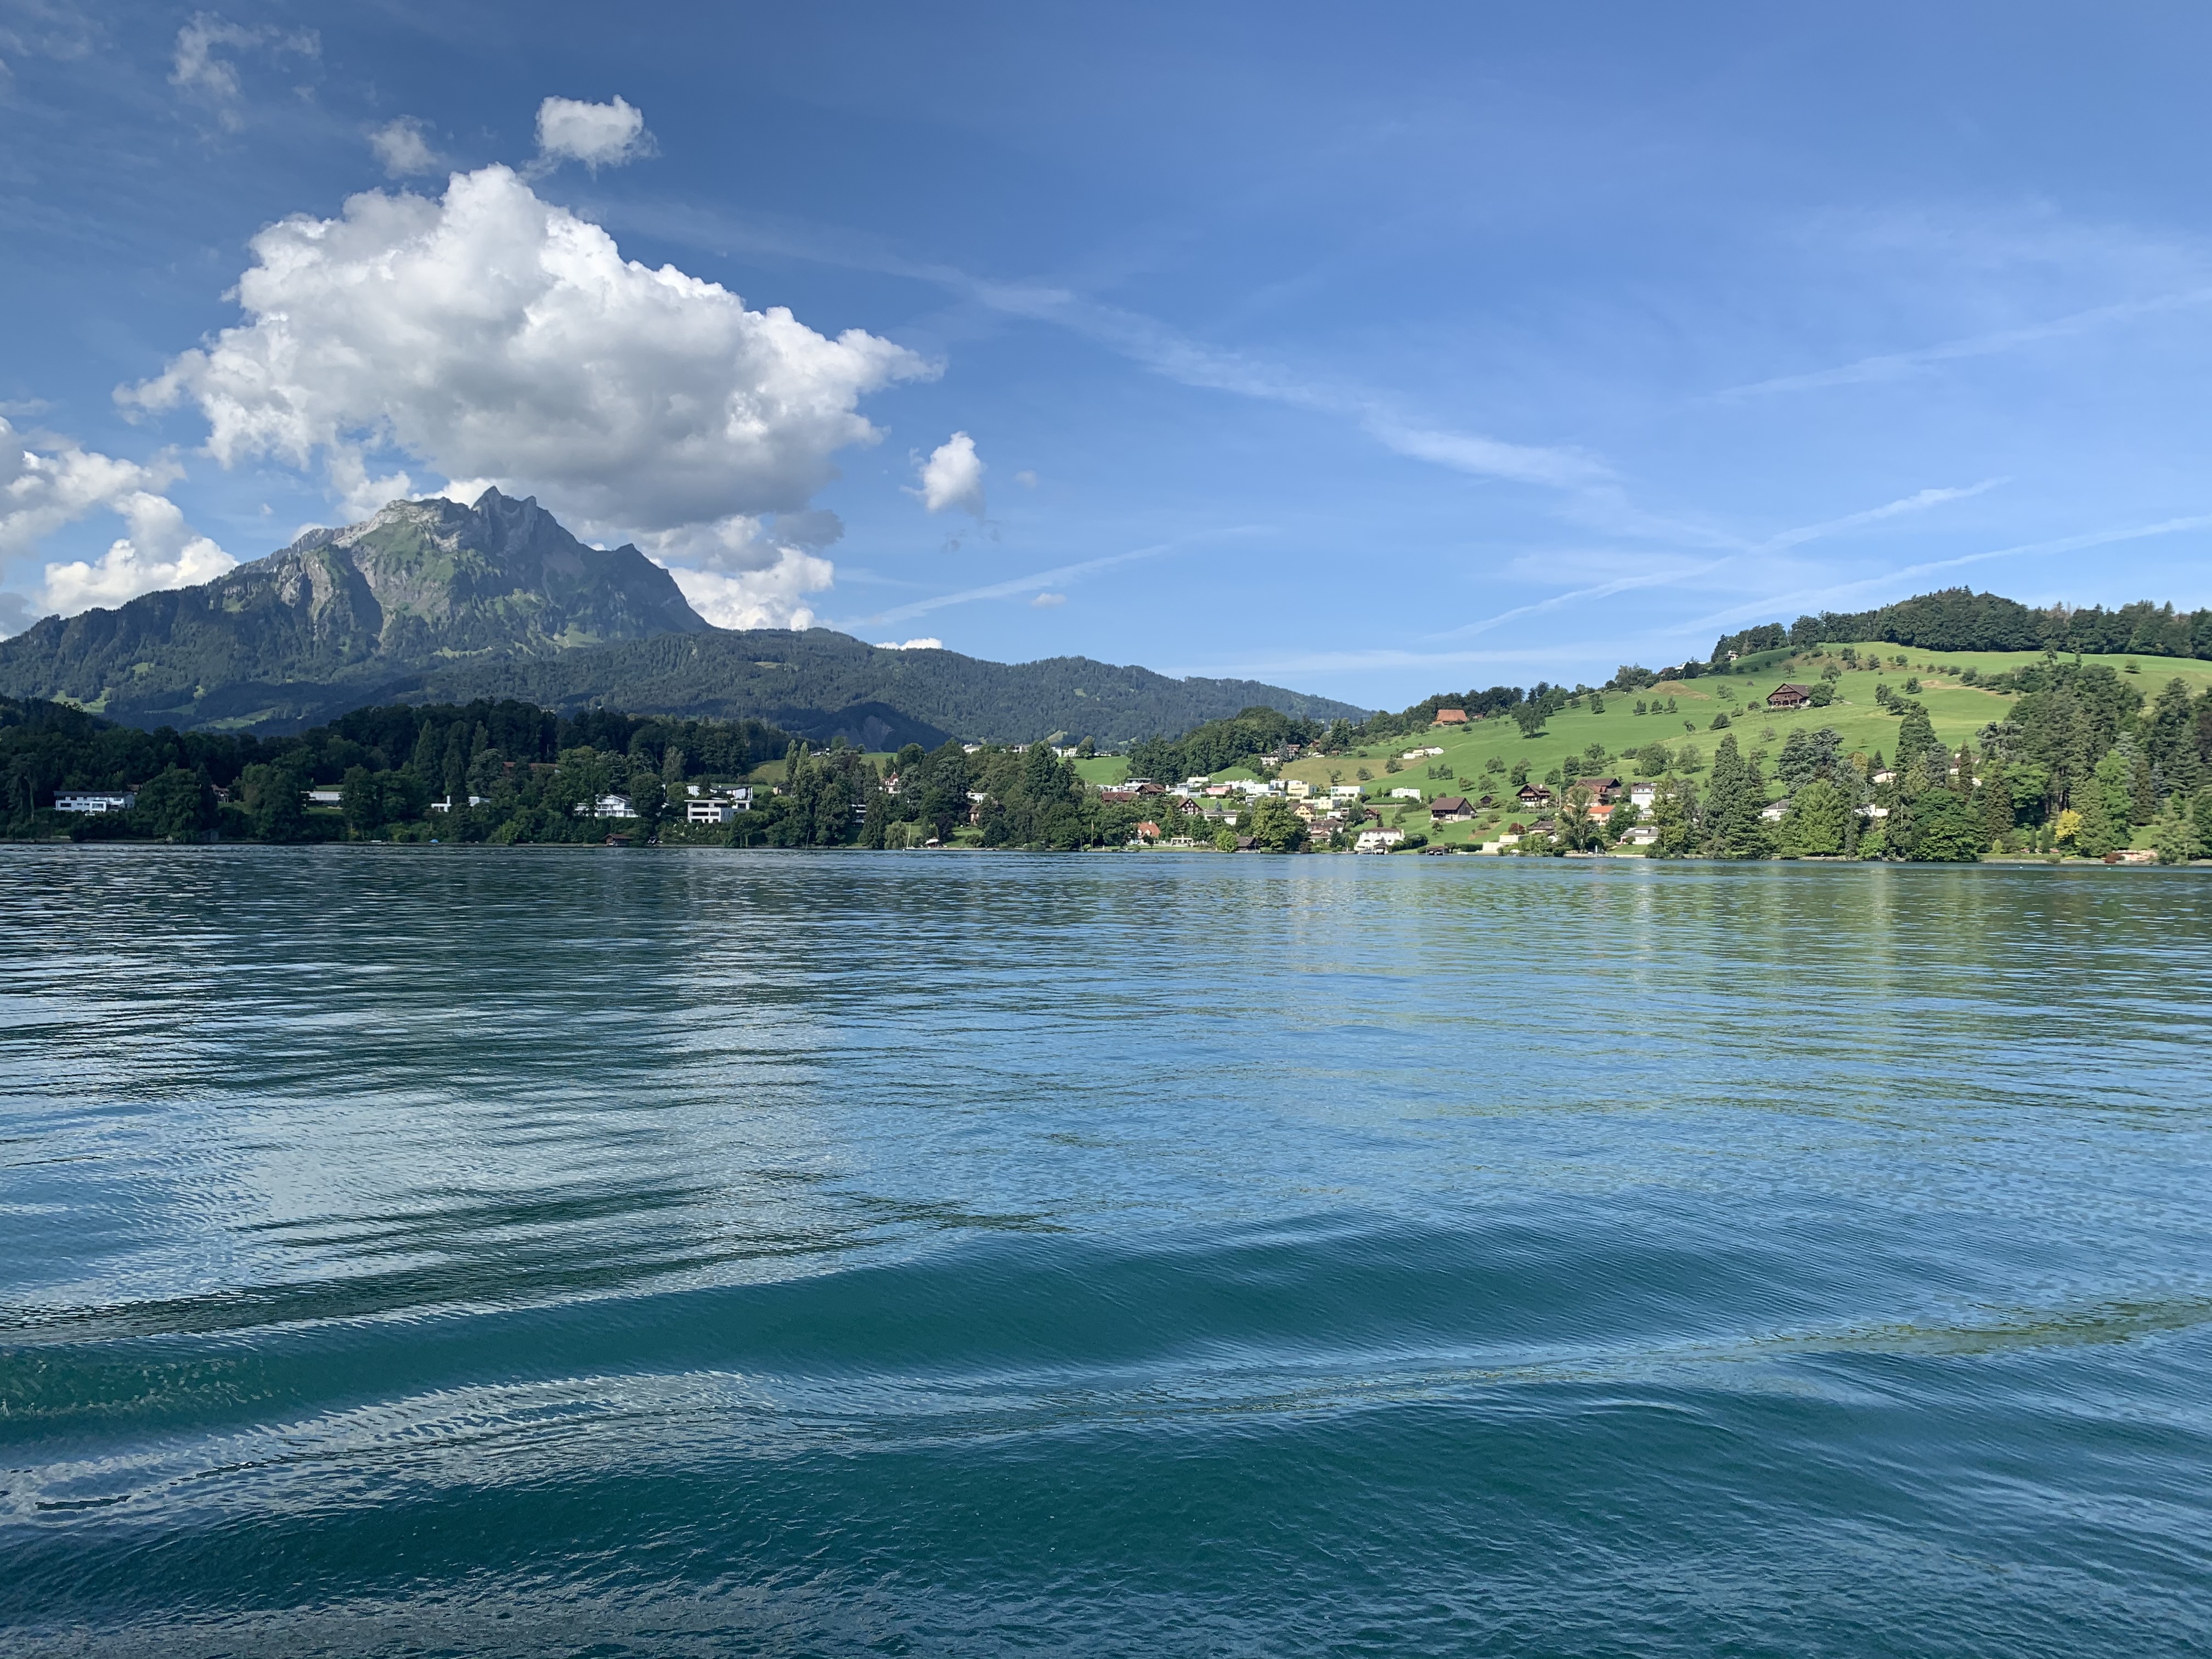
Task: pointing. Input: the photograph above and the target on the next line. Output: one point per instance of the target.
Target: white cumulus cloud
(597, 134)
(48, 482)
(404, 147)
(497, 337)
(1046, 601)
(772, 596)
(910, 645)
(952, 477)
(161, 551)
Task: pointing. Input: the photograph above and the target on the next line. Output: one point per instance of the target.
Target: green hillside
(1480, 757)
(811, 683)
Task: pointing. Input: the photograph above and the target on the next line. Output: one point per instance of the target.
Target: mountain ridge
(341, 616)
(808, 682)
(434, 600)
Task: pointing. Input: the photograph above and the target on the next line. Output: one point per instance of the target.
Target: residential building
(1774, 811)
(1405, 794)
(1344, 791)
(1598, 788)
(1377, 840)
(325, 795)
(1148, 831)
(606, 807)
(447, 804)
(1642, 795)
(1449, 808)
(1642, 835)
(1535, 795)
(95, 800)
(718, 808)
(1297, 788)
(1451, 717)
(1789, 696)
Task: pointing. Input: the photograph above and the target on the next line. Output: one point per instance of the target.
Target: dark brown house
(1789, 696)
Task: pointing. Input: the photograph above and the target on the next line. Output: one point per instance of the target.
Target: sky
(1373, 351)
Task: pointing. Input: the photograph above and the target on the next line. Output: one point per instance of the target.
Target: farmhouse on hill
(1451, 717)
(1449, 808)
(1787, 695)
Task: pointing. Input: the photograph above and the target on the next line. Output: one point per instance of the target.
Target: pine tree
(1733, 800)
(1916, 736)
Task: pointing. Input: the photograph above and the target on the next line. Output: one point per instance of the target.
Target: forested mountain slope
(819, 683)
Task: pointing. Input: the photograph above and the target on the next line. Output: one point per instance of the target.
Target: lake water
(536, 1251)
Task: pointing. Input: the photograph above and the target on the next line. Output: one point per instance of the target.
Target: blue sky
(1370, 350)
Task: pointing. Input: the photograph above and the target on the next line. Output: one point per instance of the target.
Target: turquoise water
(531, 1251)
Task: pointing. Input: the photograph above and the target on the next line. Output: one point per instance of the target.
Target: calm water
(466, 1251)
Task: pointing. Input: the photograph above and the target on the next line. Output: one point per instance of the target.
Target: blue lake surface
(556, 1251)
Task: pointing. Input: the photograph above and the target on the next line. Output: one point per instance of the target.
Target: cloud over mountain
(498, 337)
(48, 482)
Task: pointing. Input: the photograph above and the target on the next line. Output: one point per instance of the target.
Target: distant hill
(342, 618)
(1959, 619)
(819, 684)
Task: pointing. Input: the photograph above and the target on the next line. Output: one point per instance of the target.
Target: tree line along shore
(1853, 750)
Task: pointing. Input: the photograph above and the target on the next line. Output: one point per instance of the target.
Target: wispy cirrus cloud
(1781, 541)
(1899, 365)
(1154, 346)
(1893, 578)
(1038, 582)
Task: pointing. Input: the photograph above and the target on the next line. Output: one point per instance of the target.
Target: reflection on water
(515, 1251)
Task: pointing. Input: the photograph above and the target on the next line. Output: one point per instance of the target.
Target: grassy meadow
(1957, 712)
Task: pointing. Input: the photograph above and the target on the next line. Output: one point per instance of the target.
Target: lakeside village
(1828, 751)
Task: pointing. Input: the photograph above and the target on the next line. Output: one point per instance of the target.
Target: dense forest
(1959, 619)
(527, 767)
(508, 772)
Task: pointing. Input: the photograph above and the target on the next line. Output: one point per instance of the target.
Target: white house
(1641, 795)
(1191, 785)
(447, 804)
(1405, 794)
(95, 800)
(1642, 835)
(1871, 811)
(718, 809)
(1344, 791)
(326, 795)
(1416, 754)
(606, 807)
(1774, 811)
(1377, 840)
